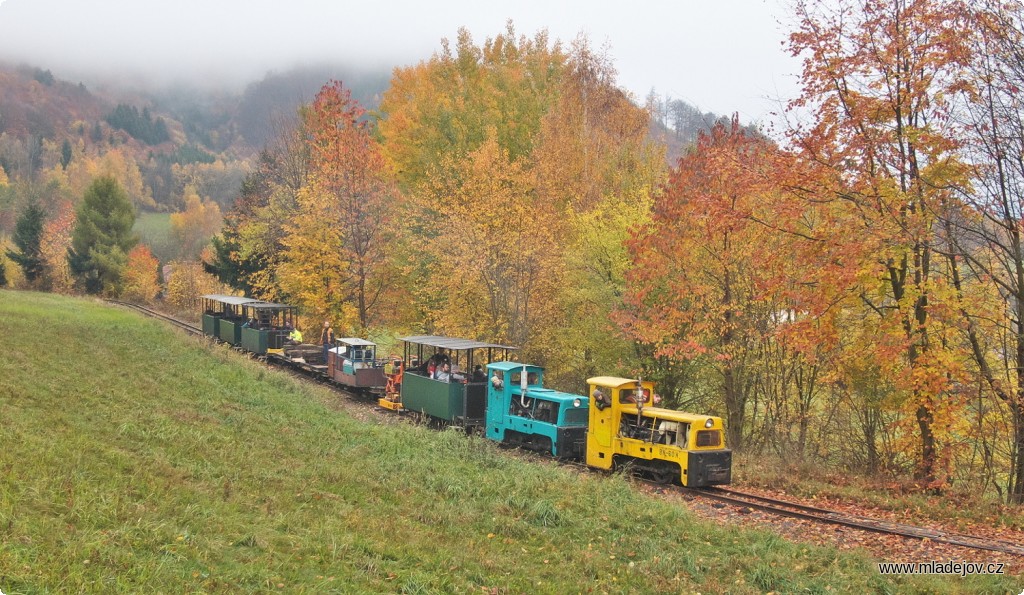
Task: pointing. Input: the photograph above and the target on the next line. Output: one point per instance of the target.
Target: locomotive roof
(550, 394)
(505, 366)
(231, 300)
(615, 381)
(356, 342)
(452, 342)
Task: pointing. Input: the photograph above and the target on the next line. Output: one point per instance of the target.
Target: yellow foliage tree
(84, 168)
(493, 259)
(450, 105)
(193, 227)
(594, 160)
(187, 281)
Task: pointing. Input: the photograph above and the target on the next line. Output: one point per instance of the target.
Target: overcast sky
(724, 56)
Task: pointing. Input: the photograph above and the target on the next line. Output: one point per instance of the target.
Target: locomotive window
(521, 407)
(576, 417)
(709, 438)
(546, 411)
(629, 395)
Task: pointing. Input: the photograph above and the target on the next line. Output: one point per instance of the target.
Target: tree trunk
(1015, 493)
(926, 471)
(734, 409)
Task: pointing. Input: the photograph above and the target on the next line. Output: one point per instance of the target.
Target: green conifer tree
(65, 154)
(102, 237)
(28, 237)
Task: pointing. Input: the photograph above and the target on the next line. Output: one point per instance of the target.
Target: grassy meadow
(154, 230)
(136, 459)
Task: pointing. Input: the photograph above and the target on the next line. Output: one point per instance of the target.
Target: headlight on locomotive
(710, 422)
(576, 402)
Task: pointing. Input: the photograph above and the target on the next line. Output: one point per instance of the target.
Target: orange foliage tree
(877, 75)
(698, 288)
(54, 247)
(335, 261)
(141, 277)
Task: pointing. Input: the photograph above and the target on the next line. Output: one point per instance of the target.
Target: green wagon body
(460, 401)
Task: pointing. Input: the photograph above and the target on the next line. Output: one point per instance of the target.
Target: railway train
(615, 425)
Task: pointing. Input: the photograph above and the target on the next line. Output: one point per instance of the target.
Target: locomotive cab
(671, 446)
(520, 411)
(353, 362)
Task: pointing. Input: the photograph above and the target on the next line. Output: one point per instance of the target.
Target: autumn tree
(102, 237)
(188, 281)
(335, 260)
(440, 116)
(54, 247)
(193, 227)
(451, 104)
(492, 269)
(985, 235)
(696, 284)
(250, 247)
(28, 234)
(535, 132)
(115, 163)
(141, 281)
(593, 161)
(877, 75)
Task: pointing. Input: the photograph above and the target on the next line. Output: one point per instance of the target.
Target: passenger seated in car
(444, 374)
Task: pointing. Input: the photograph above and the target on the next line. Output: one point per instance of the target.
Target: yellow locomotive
(671, 446)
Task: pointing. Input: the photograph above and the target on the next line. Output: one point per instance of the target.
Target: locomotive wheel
(665, 473)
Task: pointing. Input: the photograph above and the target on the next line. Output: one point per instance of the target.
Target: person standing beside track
(327, 338)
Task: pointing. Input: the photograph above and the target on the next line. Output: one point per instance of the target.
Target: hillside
(173, 136)
(35, 104)
(136, 459)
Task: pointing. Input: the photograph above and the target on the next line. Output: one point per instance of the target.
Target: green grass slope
(136, 459)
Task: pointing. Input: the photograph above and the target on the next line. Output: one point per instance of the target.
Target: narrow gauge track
(302, 370)
(729, 496)
(833, 517)
(191, 329)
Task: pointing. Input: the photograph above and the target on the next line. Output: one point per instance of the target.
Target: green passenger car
(451, 397)
(223, 316)
(266, 326)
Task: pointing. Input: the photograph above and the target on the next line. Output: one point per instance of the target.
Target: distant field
(154, 230)
(135, 459)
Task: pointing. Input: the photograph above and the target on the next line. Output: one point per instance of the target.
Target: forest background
(846, 291)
